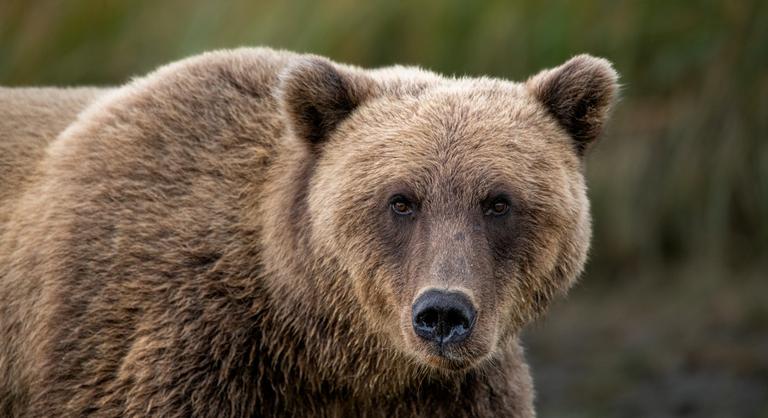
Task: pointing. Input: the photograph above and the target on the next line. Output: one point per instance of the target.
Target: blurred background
(671, 317)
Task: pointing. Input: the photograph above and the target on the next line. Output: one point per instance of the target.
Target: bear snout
(443, 317)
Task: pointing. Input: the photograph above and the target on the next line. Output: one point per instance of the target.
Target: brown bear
(260, 233)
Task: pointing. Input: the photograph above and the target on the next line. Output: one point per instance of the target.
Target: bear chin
(448, 364)
(450, 359)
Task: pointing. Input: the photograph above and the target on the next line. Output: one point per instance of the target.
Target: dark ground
(696, 350)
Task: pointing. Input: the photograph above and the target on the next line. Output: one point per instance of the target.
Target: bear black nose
(443, 317)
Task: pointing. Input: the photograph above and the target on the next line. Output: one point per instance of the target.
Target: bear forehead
(473, 115)
(480, 131)
(442, 145)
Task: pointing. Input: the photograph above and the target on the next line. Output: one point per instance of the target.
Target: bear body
(249, 233)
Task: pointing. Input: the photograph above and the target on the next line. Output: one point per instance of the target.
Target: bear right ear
(579, 94)
(317, 94)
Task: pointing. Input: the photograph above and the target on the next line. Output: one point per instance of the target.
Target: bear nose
(443, 317)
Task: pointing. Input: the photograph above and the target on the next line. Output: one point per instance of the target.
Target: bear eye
(401, 205)
(497, 207)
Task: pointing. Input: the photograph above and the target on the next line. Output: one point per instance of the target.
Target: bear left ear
(579, 94)
(317, 95)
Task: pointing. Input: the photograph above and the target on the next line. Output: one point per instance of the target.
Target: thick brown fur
(214, 239)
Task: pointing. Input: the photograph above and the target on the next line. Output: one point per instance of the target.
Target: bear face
(465, 197)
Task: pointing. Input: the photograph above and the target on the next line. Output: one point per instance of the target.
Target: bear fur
(216, 239)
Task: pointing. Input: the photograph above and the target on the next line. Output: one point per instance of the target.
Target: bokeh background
(671, 317)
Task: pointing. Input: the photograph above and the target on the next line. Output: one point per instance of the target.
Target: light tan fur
(214, 239)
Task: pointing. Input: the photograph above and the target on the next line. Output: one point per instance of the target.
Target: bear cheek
(379, 283)
(551, 256)
(378, 304)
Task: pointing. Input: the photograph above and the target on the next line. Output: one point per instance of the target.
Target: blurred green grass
(679, 184)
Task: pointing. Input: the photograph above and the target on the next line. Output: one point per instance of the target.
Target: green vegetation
(671, 318)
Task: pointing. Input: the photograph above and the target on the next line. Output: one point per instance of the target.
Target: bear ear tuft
(317, 94)
(579, 94)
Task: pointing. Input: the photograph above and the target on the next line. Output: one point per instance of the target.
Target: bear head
(456, 207)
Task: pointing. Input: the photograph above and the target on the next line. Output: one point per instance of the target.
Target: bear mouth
(449, 357)
(449, 363)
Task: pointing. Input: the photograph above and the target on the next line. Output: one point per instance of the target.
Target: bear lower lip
(447, 362)
(447, 357)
